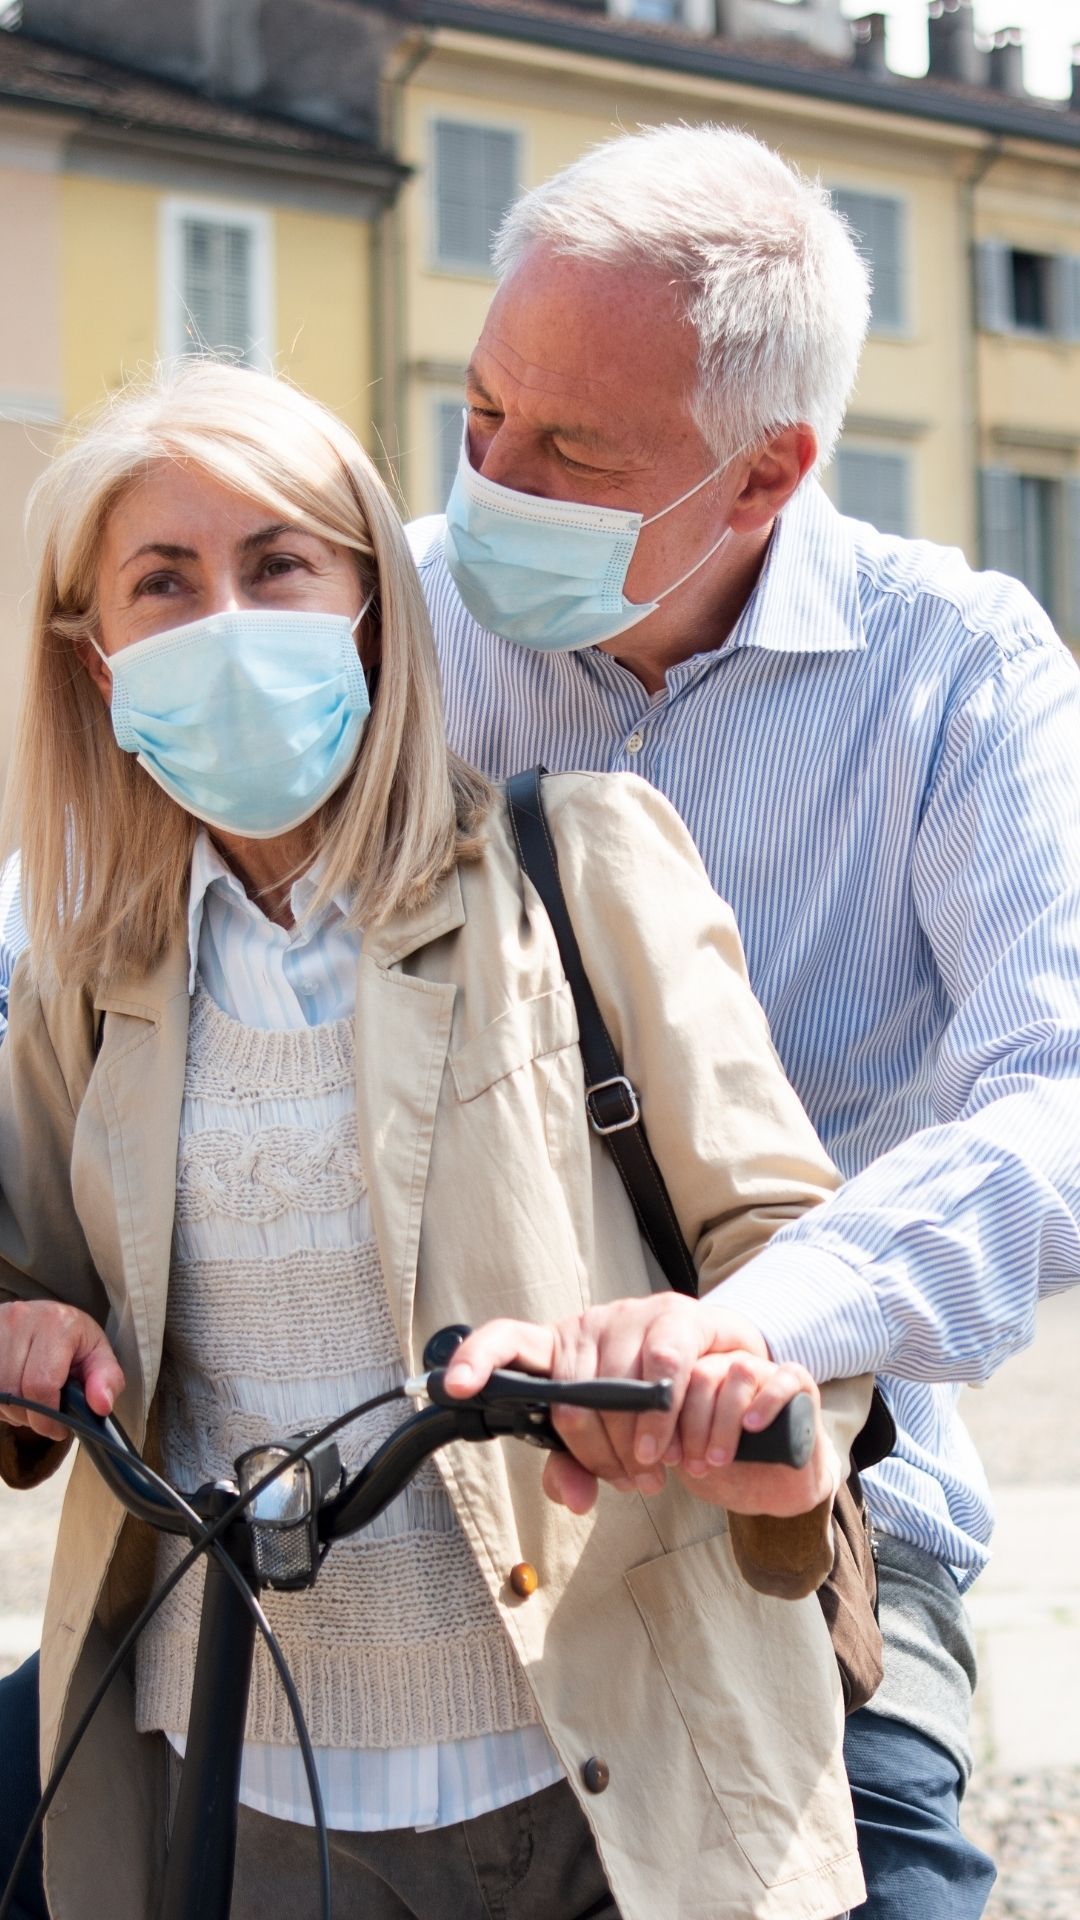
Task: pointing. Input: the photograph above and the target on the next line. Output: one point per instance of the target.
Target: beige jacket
(717, 1710)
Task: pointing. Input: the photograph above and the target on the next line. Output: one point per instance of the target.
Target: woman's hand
(43, 1344)
(722, 1381)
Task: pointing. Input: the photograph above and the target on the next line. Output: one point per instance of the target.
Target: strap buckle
(611, 1115)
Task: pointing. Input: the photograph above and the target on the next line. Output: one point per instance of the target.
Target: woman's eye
(277, 564)
(157, 584)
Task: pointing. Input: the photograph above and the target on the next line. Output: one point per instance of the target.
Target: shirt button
(524, 1579)
(595, 1774)
(635, 743)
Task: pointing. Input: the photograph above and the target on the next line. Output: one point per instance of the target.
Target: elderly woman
(292, 1079)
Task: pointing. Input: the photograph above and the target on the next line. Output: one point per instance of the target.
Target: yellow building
(314, 187)
(965, 427)
(138, 220)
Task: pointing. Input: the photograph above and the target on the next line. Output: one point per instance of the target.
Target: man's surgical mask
(549, 574)
(250, 719)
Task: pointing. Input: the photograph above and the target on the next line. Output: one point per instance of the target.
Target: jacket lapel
(139, 1079)
(403, 1036)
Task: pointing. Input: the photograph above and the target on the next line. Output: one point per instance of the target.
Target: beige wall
(30, 370)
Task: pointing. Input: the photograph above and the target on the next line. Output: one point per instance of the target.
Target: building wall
(112, 320)
(30, 370)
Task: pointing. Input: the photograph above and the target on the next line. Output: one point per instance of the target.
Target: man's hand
(44, 1344)
(722, 1381)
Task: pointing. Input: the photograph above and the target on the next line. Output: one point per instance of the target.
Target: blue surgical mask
(250, 720)
(549, 574)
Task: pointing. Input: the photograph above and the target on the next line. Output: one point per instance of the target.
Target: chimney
(869, 37)
(953, 52)
(1007, 63)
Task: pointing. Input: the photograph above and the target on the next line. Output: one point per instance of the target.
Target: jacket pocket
(525, 1032)
(755, 1681)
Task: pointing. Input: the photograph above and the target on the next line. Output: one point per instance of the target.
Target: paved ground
(1024, 1804)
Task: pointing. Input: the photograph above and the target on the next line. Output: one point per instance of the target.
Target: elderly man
(876, 751)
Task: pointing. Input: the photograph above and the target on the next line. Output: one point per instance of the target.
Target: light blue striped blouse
(881, 769)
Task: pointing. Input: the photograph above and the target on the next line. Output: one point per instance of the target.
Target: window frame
(174, 212)
(491, 123)
(904, 328)
(880, 449)
(439, 398)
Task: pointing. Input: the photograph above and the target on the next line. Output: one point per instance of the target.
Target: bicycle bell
(283, 1518)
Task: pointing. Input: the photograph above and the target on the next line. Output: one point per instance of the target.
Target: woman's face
(179, 546)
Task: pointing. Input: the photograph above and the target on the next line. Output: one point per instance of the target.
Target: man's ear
(95, 667)
(773, 474)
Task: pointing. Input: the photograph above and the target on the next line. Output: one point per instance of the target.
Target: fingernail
(460, 1374)
(673, 1455)
(718, 1456)
(646, 1449)
(623, 1485)
(697, 1468)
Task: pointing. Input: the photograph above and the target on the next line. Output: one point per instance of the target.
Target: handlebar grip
(505, 1388)
(787, 1442)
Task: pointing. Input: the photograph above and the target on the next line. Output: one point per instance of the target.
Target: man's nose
(511, 458)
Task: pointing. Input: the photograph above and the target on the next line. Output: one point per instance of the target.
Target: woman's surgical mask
(250, 719)
(549, 574)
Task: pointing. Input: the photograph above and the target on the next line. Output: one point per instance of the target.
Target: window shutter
(875, 487)
(217, 264)
(993, 287)
(878, 222)
(1065, 296)
(475, 180)
(1001, 521)
(447, 434)
(1071, 611)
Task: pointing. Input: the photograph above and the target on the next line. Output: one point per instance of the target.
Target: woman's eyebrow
(165, 549)
(264, 536)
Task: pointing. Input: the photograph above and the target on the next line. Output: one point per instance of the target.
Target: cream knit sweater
(277, 1319)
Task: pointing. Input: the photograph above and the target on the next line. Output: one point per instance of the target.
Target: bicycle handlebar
(510, 1404)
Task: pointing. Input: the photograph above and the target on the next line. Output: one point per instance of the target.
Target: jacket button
(595, 1773)
(524, 1579)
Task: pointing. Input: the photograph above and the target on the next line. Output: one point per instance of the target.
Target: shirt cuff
(812, 1308)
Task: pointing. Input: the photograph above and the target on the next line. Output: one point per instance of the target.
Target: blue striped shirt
(881, 769)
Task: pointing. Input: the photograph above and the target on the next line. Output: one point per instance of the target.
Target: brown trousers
(533, 1860)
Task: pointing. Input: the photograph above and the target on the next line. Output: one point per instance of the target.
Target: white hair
(774, 285)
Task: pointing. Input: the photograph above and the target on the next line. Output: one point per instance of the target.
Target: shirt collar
(210, 872)
(807, 596)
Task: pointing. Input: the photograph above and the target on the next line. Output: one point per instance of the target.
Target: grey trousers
(533, 1860)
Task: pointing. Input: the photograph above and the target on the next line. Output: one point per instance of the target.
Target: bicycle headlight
(283, 1517)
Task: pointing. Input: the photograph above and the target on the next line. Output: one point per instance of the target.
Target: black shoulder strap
(610, 1100)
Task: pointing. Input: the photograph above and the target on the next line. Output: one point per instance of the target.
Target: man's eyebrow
(579, 436)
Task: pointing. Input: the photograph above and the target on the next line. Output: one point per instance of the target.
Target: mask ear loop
(362, 612)
(717, 544)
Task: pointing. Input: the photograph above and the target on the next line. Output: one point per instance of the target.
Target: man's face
(580, 389)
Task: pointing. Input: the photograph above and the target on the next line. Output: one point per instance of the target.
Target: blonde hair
(105, 852)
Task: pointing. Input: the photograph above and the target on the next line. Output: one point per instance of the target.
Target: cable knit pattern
(278, 1319)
